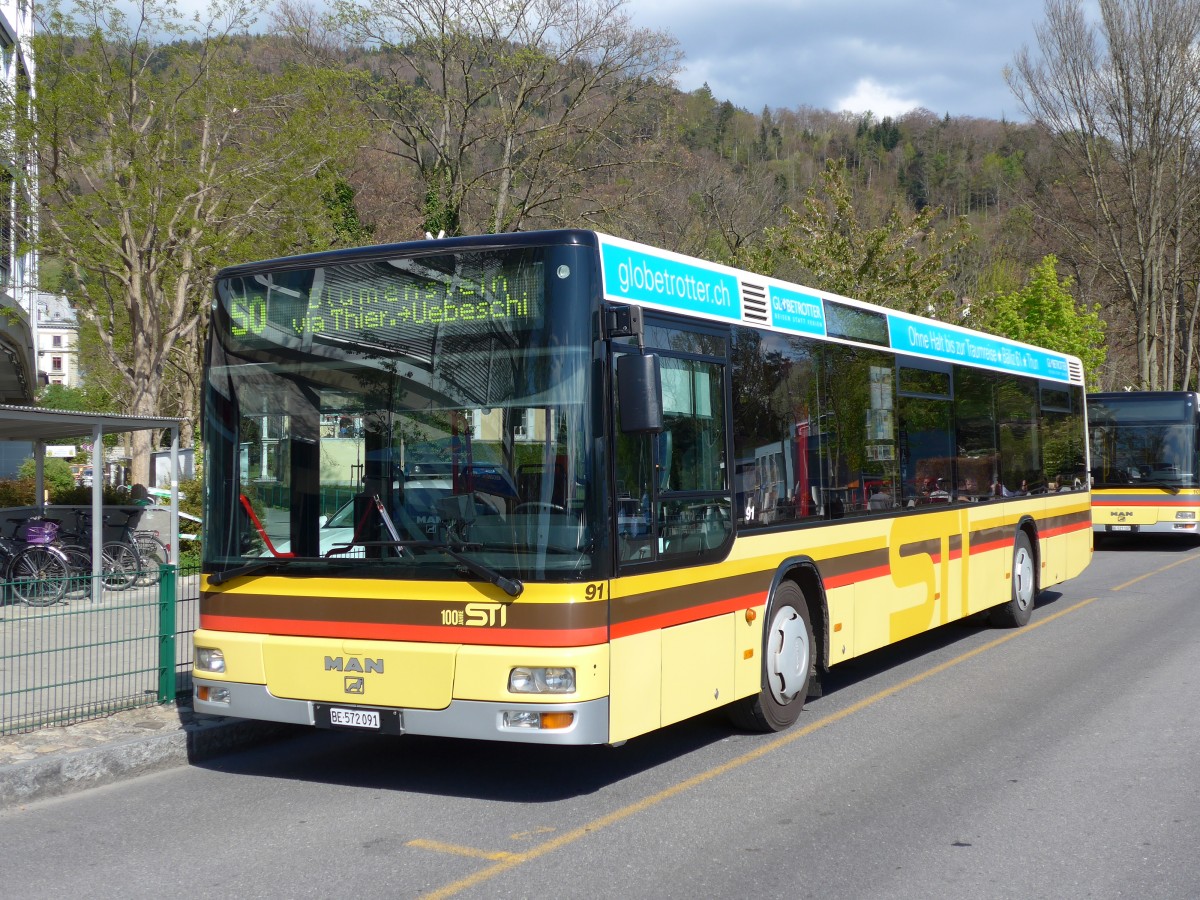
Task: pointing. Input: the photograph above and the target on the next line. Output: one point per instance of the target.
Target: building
(58, 340)
(19, 378)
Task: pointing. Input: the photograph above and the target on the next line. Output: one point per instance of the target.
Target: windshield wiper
(259, 565)
(1142, 482)
(511, 586)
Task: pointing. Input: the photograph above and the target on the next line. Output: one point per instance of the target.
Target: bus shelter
(46, 426)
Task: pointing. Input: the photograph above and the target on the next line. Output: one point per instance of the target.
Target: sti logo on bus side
(365, 665)
(477, 615)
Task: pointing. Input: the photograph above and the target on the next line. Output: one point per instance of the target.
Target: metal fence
(93, 654)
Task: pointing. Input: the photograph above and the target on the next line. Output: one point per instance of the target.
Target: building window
(56, 341)
(56, 364)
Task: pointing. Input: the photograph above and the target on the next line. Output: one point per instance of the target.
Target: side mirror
(639, 392)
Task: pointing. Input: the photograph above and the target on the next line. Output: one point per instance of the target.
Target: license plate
(354, 718)
(1121, 527)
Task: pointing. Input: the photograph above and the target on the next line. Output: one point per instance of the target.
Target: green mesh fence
(96, 650)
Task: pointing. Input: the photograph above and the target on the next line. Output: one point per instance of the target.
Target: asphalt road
(1058, 760)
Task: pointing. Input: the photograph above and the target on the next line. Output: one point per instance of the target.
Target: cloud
(943, 55)
(871, 96)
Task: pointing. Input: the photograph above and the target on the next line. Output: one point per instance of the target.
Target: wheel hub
(788, 658)
(1023, 578)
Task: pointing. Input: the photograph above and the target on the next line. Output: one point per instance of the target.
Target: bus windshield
(404, 414)
(1143, 439)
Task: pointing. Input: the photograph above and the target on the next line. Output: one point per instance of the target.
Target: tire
(39, 576)
(787, 663)
(153, 553)
(120, 566)
(79, 562)
(1017, 611)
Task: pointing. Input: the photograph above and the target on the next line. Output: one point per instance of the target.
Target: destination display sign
(369, 301)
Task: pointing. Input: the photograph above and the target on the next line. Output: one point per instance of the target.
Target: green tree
(1044, 312)
(58, 396)
(165, 150)
(56, 474)
(903, 262)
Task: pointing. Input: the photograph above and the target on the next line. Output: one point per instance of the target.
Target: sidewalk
(51, 762)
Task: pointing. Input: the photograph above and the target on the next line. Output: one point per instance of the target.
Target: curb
(66, 773)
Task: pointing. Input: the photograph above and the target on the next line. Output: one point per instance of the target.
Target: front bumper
(475, 719)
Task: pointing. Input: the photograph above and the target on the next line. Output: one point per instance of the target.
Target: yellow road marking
(1178, 562)
(457, 850)
(511, 861)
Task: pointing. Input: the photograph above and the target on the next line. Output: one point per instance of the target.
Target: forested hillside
(164, 158)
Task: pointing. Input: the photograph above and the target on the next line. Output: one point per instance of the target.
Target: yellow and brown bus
(565, 488)
(1145, 462)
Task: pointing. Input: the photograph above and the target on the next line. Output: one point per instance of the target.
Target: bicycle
(120, 563)
(155, 554)
(36, 570)
(151, 553)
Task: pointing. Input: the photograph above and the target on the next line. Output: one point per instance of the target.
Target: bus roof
(641, 275)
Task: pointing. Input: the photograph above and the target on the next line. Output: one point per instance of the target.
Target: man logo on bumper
(366, 665)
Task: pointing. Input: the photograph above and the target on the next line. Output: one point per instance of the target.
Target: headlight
(541, 680)
(543, 721)
(209, 659)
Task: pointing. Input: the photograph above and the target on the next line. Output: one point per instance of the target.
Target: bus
(661, 487)
(1146, 461)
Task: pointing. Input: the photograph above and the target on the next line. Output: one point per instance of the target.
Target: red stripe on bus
(834, 581)
(437, 634)
(682, 616)
(1065, 529)
(987, 546)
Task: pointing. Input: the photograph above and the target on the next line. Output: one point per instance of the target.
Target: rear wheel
(786, 668)
(154, 555)
(120, 566)
(1017, 611)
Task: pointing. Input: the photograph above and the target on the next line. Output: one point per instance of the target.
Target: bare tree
(1121, 100)
(504, 109)
(691, 202)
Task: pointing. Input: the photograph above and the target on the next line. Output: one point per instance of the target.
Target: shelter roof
(28, 423)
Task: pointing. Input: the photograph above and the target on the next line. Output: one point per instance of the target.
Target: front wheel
(79, 564)
(786, 668)
(1017, 611)
(39, 576)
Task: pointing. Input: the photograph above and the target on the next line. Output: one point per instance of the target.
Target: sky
(882, 56)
